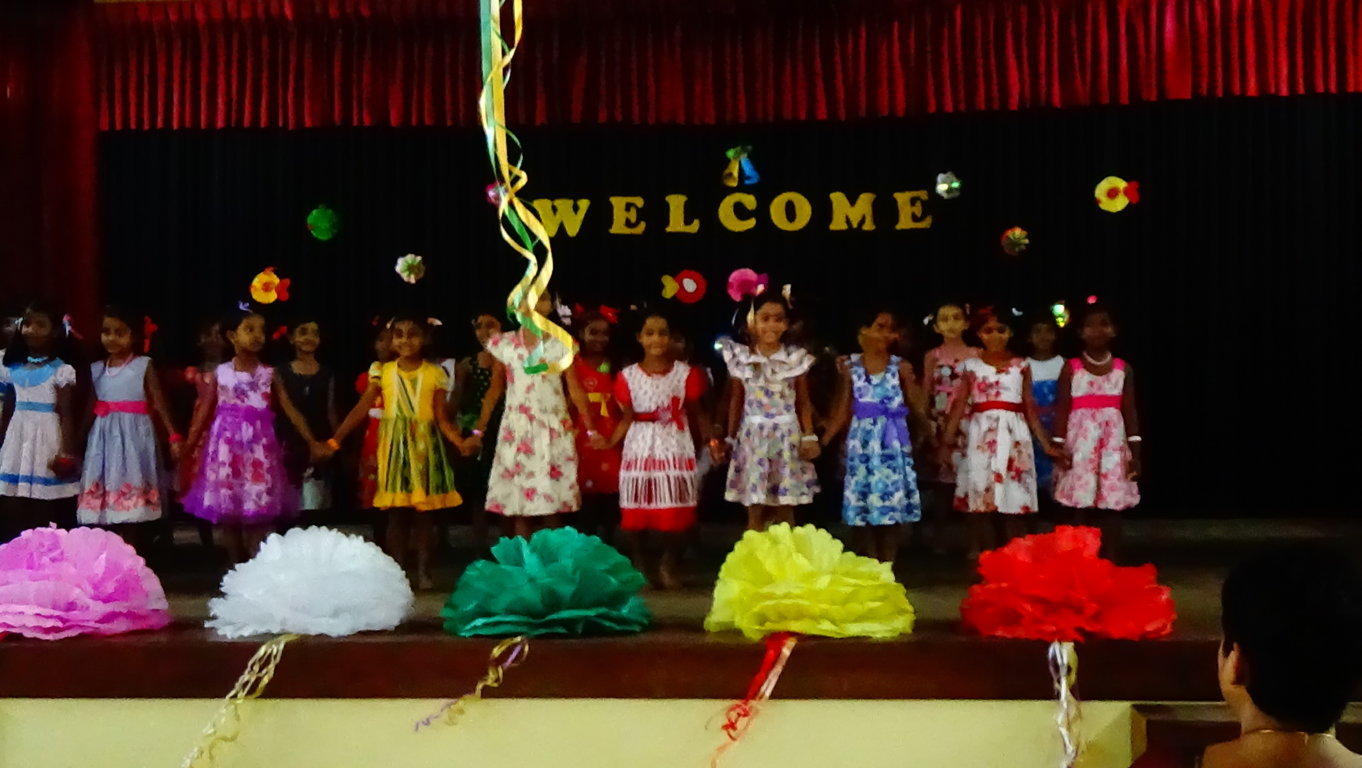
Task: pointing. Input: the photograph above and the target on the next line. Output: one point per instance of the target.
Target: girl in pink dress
(997, 475)
(1097, 426)
(944, 367)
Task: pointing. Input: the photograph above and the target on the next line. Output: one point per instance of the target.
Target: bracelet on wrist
(1057, 440)
(332, 444)
(808, 439)
(477, 432)
(176, 438)
(1134, 439)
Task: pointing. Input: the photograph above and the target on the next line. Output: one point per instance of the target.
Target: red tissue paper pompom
(1055, 587)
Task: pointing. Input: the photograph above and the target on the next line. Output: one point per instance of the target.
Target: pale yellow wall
(587, 733)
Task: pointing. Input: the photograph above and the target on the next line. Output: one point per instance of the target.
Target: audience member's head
(1292, 647)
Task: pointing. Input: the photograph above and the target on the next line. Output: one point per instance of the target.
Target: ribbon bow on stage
(673, 412)
(610, 314)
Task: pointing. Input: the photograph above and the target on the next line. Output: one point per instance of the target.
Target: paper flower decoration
(1114, 194)
(411, 268)
(267, 288)
(87, 581)
(947, 185)
(1015, 240)
(688, 286)
(739, 169)
(1060, 312)
(495, 193)
(744, 283)
(323, 223)
(800, 580)
(1054, 586)
(560, 582)
(312, 581)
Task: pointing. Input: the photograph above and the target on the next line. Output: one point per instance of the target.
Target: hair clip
(70, 329)
(244, 306)
(280, 332)
(434, 322)
(149, 329)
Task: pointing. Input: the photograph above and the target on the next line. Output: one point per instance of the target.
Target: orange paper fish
(268, 287)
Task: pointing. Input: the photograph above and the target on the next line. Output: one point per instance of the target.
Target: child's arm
(957, 412)
(808, 449)
(439, 406)
(578, 397)
(1033, 417)
(280, 394)
(1132, 419)
(697, 386)
(357, 414)
(916, 398)
(1063, 405)
(840, 414)
(735, 403)
(928, 374)
(332, 417)
(157, 400)
(65, 408)
(489, 401)
(204, 410)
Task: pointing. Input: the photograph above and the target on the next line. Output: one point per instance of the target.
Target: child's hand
(843, 363)
(808, 450)
(176, 452)
(320, 452)
(1133, 469)
(63, 465)
(597, 441)
(717, 452)
(1057, 454)
(472, 445)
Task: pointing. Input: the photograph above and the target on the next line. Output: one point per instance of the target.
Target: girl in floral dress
(121, 483)
(659, 489)
(415, 476)
(880, 493)
(534, 469)
(598, 471)
(241, 486)
(998, 473)
(1097, 425)
(945, 367)
(770, 420)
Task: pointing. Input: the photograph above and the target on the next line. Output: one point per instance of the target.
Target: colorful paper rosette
(1014, 241)
(559, 582)
(309, 581)
(56, 584)
(947, 185)
(411, 268)
(1055, 587)
(784, 582)
(323, 223)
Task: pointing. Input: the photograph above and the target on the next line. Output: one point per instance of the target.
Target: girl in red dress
(368, 452)
(598, 465)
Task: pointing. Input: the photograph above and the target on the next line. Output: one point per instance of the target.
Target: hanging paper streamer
(323, 223)
(947, 185)
(1064, 675)
(687, 287)
(226, 725)
(1015, 240)
(739, 716)
(411, 268)
(509, 653)
(740, 170)
(519, 226)
(495, 192)
(267, 287)
(1114, 193)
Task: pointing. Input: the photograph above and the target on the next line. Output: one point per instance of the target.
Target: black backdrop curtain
(1232, 278)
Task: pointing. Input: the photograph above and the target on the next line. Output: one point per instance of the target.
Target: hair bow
(70, 328)
(149, 329)
(744, 283)
(434, 322)
(609, 314)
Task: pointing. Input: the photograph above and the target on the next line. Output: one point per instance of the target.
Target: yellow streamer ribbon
(600, 397)
(226, 725)
(509, 653)
(517, 222)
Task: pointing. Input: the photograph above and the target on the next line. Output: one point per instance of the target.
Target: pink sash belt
(106, 407)
(1093, 402)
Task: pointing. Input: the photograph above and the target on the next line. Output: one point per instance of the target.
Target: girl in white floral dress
(770, 420)
(998, 473)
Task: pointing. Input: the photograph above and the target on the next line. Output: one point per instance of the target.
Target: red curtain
(302, 63)
(48, 128)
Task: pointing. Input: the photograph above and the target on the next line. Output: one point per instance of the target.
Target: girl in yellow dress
(415, 476)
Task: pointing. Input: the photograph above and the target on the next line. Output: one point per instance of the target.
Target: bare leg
(553, 521)
(1014, 527)
(866, 543)
(231, 541)
(399, 523)
(479, 515)
(783, 515)
(423, 529)
(756, 518)
(939, 514)
(980, 533)
(523, 528)
(1113, 537)
(633, 544)
(253, 536)
(669, 572)
(887, 543)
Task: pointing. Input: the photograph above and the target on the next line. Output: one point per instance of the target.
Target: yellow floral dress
(413, 462)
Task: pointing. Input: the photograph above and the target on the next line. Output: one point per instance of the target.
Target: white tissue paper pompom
(312, 581)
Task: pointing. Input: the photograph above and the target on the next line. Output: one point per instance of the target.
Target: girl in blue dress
(880, 495)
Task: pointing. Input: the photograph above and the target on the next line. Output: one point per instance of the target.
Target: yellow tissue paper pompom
(800, 580)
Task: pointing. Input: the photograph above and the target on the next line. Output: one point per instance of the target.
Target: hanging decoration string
(509, 653)
(1064, 674)
(226, 725)
(739, 716)
(518, 224)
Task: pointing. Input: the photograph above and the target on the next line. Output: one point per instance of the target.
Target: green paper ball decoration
(323, 223)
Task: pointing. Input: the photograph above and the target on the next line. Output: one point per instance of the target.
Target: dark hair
(1296, 616)
(647, 314)
(232, 320)
(580, 322)
(981, 316)
(17, 352)
(1086, 311)
(129, 318)
(420, 321)
(772, 297)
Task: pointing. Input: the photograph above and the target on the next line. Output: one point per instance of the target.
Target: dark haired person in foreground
(1290, 660)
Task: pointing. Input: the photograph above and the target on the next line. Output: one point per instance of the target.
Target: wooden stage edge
(421, 661)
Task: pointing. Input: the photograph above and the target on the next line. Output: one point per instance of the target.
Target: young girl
(368, 452)
(241, 486)
(945, 366)
(998, 472)
(880, 494)
(481, 391)
(121, 484)
(598, 471)
(212, 347)
(311, 388)
(38, 469)
(771, 420)
(1045, 364)
(415, 477)
(534, 469)
(1100, 430)
(659, 491)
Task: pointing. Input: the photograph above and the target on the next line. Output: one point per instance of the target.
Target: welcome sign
(739, 212)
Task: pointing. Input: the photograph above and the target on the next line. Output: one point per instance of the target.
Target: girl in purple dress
(242, 487)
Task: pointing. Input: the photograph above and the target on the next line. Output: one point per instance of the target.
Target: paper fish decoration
(740, 170)
(267, 288)
(323, 223)
(411, 268)
(1114, 193)
(947, 185)
(688, 286)
(1015, 240)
